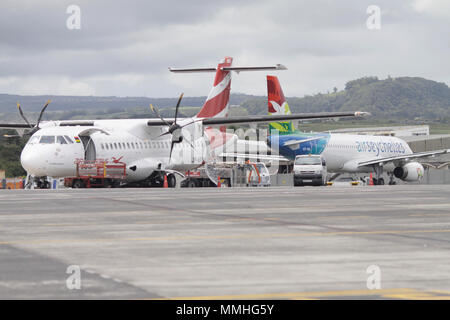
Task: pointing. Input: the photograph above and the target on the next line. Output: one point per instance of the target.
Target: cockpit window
(33, 139)
(47, 139)
(61, 140)
(68, 139)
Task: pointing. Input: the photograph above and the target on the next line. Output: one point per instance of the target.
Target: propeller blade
(42, 112)
(171, 149)
(155, 110)
(163, 134)
(23, 116)
(178, 105)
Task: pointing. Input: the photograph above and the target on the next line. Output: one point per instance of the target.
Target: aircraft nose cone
(30, 161)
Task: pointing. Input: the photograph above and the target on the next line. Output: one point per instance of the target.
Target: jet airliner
(344, 153)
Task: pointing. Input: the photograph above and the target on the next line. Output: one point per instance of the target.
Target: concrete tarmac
(388, 242)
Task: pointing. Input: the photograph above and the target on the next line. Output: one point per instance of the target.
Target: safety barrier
(12, 183)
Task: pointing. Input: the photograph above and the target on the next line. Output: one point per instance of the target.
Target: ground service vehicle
(310, 170)
(258, 175)
(97, 174)
(230, 175)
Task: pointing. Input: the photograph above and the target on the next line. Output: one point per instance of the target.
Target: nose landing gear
(33, 182)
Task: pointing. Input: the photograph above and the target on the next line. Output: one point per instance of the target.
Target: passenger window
(47, 139)
(61, 140)
(68, 139)
(128, 145)
(106, 145)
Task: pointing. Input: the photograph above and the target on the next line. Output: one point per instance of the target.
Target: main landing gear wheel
(191, 184)
(77, 184)
(391, 179)
(380, 182)
(171, 180)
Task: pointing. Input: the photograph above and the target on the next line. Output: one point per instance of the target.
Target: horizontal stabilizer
(298, 142)
(237, 69)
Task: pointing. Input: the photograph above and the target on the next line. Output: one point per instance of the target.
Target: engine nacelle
(141, 169)
(412, 171)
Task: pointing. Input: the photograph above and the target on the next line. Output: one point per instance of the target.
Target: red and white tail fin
(216, 104)
(277, 105)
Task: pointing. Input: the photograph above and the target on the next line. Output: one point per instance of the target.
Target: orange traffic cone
(219, 185)
(371, 180)
(166, 184)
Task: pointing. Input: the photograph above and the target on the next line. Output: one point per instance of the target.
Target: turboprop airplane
(151, 148)
(343, 153)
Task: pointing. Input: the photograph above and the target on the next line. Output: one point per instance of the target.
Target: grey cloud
(125, 47)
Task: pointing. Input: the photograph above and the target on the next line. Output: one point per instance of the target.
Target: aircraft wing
(155, 122)
(270, 157)
(276, 118)
(265, 118)
(63, 123)
(405, 157)
(15, 126)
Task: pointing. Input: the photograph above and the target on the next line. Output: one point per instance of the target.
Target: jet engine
(412, 171)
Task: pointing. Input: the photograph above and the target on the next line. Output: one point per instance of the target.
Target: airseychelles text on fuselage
(380, 147)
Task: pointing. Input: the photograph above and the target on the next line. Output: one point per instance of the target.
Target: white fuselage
(344, 151)
(132, 142)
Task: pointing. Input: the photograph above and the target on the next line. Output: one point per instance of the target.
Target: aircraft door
(89, 148)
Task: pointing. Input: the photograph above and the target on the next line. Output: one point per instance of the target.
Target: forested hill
(404, 97)
(92, 103)
(393, 98)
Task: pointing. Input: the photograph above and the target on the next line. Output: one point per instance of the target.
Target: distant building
(397, 131)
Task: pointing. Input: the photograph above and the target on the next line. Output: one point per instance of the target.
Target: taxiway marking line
(231, 237)
(400, 293)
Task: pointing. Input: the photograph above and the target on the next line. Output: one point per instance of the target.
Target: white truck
(310, 170)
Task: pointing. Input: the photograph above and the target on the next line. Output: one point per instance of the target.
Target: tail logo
(276, 109)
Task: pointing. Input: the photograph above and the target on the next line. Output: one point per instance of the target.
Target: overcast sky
(125, 47)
